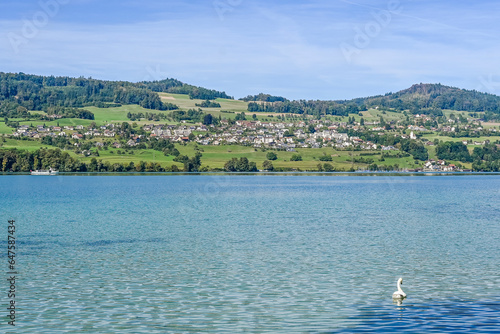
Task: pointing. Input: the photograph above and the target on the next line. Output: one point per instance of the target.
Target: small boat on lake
(49, 171)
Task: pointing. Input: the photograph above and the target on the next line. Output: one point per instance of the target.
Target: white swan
(400, 293)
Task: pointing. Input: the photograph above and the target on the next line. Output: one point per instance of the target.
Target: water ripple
(457, 316)
(271, 254)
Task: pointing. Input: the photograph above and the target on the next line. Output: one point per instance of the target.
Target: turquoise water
(227, 254)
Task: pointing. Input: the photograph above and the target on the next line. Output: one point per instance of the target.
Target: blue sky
(318, 49)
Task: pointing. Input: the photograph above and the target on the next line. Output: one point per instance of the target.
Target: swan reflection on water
(398, 302)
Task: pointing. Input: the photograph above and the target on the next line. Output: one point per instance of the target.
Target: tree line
(240, 165)
(486, 158)
(150, 116)
(315, 108)
(177, 87)
(23, 161)
(208, 104)
(190, 115)
(264, 98)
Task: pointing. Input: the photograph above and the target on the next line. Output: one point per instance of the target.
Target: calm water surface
(226, 254)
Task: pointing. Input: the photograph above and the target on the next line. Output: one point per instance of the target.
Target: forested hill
(264, 98)
(63, 96)
(177, 87)
(21, 92)
(437, 96)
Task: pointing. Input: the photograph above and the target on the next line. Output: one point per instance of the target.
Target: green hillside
(430, 98)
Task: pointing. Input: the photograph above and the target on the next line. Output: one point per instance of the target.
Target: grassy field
(27, 145)
(4, 129)
(490, 125)
(184, 103)
(371, 115)
(375, 114)
(117, 115)
(60, 122)
(432, 137)
(448, 112)
(232, 107)
(217, 156)
(112, 156)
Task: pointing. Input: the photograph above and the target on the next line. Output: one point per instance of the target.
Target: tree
(415, 148)
(241, 165)
(296, 157)
(453, 151)
(181, 158)
(382, 121)
(252, 167)
(328, 167)
(267, 165)
(271, 156)
(192, 164)
(47, 140)
(208, 119)
(93, 165)
(230, 166)
(240, 117)
(141, 167)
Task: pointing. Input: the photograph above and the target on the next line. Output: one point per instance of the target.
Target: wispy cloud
(290, 48)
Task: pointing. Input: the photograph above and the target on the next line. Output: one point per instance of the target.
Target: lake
(228, 254)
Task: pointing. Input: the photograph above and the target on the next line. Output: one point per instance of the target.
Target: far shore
(262, 173)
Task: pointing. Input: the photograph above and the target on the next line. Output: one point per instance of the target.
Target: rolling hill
(434, 96)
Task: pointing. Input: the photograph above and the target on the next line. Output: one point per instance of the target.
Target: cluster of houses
(441, 166)
(75, 132)
(274, 135)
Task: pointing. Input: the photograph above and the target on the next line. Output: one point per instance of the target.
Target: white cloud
(281, 49)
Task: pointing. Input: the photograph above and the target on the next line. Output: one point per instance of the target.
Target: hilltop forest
(20, 93)
(427, 99)
(62, 96)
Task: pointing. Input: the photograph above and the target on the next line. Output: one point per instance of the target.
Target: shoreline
(360, 173)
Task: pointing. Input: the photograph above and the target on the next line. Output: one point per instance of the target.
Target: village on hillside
(281, 136)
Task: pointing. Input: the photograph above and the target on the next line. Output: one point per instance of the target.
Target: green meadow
(432, 137)
(217, 156)
(228, 108)
(122, 157)
(4, 129)
(28, 145)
